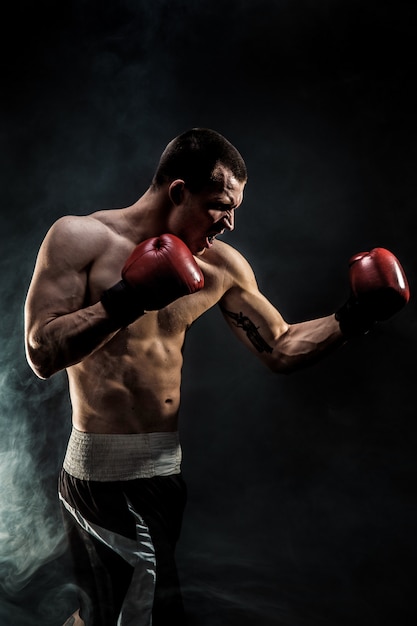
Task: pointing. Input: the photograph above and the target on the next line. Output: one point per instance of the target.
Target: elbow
(39, 361)
(282, 364)
(42, 373)
(39, 367)
(283, 359)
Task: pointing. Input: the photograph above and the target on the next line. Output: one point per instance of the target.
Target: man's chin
(199, 248)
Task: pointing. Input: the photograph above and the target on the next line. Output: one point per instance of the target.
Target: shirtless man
(121, 342)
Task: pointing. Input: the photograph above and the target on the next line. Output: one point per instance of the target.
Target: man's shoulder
(78, 230)
(223, 252)
(77, 225)
(75, 240)
(228, 259)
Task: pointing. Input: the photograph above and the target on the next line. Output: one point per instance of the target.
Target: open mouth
(210, 239)
(212, 236)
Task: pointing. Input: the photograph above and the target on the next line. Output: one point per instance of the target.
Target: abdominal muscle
(132, 384)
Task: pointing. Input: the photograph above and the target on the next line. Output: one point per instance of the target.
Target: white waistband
(102, 457)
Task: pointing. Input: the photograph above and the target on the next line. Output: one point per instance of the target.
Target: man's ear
(176, 191)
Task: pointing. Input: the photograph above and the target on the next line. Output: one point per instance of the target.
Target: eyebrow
(231, 202)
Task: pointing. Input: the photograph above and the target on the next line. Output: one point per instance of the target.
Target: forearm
(305, 343)
(68, 339)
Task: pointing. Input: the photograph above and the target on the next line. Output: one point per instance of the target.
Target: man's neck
(148, 216)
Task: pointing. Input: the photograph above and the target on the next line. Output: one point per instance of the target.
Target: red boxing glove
(158, 271)
(379, 289)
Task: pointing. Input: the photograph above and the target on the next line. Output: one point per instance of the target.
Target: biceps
(253, 319)
(52, 295)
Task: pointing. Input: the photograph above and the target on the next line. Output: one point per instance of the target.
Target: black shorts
(122, 537)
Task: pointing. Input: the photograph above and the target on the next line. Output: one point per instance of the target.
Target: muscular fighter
(111, 299)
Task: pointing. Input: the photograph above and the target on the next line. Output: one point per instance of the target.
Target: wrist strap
(122, 303)
(353, 319)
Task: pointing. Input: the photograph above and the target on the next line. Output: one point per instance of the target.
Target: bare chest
(175, 318)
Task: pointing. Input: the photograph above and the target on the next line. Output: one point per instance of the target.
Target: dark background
(302, 506)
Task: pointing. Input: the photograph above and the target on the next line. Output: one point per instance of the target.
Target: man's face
(200, 217)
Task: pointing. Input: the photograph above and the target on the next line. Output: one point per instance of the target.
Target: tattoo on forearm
(70, 621)
(242, 321)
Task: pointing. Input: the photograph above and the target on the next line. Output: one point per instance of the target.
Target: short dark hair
(193, 157)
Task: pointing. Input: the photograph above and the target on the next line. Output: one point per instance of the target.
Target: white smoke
(29, 535)
(31, 532)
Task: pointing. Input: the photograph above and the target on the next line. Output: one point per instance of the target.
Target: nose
(229, 219)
